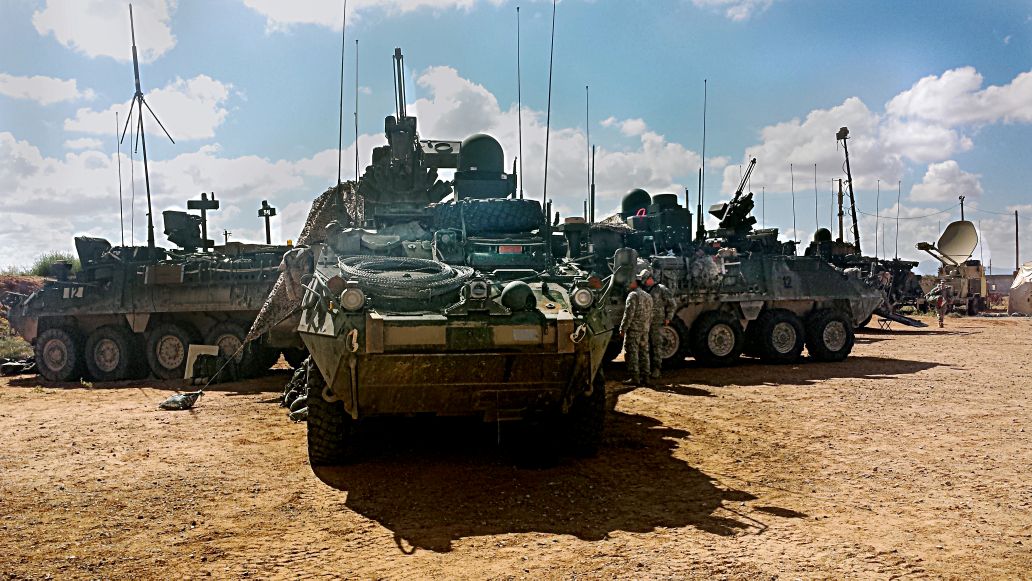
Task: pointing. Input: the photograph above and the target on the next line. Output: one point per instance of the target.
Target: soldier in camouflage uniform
(663, 308)
(635, 330)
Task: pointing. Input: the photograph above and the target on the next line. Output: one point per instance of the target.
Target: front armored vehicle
(447, 301)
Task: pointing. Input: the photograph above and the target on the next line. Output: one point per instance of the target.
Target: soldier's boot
(631, 382)
(654, 374)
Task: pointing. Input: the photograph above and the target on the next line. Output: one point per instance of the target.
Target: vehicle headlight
(583, 298)
(352, 298)
(478, 289)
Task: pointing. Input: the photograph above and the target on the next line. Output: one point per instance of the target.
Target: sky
(937, 96)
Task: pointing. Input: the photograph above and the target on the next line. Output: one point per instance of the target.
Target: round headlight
(478, 289)
(583, 298)
(352, 298)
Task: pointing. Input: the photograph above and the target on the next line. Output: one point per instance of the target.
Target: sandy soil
(910, 459)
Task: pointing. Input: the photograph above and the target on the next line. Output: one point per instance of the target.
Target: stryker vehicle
(895, 278)
(448, 308)
(966, 277)
(737, 289)
(137, 308)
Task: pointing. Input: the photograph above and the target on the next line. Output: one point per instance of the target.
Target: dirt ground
(911, 459)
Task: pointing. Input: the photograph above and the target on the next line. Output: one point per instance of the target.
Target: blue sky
(933, 92)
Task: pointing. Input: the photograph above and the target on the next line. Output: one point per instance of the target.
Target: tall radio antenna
(140, 103)
(701, 231)
(587, 130)
(548, 115)
(519, 99)
(118, 156)
(356, 112)
(340, 112)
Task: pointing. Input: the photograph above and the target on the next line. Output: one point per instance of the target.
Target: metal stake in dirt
(267, 211)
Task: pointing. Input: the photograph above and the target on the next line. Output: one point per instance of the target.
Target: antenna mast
(140, 103)
(118, 156)
(356, 112)
(702, 166)
(587, 132)
(548, 115)
(843, 136)
(519, 98)
(340, 112)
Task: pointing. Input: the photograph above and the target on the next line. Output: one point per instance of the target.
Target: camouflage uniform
(663, 308)
(635, 327)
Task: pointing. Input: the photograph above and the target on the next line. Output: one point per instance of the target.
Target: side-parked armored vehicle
(131, 309)
(738, 290)
(448, 308)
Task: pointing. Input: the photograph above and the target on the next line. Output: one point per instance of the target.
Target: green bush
(41, 267)
(11, 345)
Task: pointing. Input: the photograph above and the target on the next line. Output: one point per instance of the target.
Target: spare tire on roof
(489, 216)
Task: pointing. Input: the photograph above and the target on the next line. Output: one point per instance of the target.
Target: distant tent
(1020, 300)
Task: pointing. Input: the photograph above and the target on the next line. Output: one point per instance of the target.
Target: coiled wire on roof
(403, 278)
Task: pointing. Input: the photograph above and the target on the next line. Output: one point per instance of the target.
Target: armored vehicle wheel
(58, 355)
(229, 338)
(586, 419)
(110, 354)
(829, 335)
(167, 345)
(493, 215)
(675, 342)
(716, 339)
(331, 431)
(777, 336)
(295, 357)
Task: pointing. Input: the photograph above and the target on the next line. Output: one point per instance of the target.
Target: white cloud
(43, 90)
(101, 27)
(83, 143)
(190, 109)
(957, 98)
(944, 182)
(280, 16)
(629, 127)
(736, 10)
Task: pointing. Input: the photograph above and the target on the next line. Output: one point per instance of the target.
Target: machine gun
(734, 216)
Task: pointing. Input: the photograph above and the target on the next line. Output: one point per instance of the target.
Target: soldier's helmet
(644, 274)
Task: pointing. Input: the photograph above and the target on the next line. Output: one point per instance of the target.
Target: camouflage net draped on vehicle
(339, 203)
(404, 278)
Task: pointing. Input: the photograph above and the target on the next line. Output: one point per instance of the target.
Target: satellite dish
(958, 241)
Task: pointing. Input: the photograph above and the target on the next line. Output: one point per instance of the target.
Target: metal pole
(841, 214)
(961, 207)
(548, 114)
(1017, 247)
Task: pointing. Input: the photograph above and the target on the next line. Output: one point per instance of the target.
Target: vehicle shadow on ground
(431, 489)
(272, 382)
(751, 372)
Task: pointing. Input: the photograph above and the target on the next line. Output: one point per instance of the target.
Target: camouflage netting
(341, 204)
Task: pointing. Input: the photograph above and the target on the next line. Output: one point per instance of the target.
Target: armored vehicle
(134, 309)
(448, 307)
(738, 290)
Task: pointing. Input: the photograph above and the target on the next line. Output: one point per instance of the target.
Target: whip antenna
(519, 99)
(795, 233)
(356, 112)
(899, 190)
(816, 201)
(340, 111)
(702, 165)
(548, 115)
(587, 130)
(118, 156)
(140, 103)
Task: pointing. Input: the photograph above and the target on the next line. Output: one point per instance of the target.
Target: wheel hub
(107, 355)
(669, 342)
(55, 354)
(229, 345)
(783, 337)
(721, 340)
(834, 335)
(171, 352)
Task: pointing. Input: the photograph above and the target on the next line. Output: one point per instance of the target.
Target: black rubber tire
(110, 354)
(229, 334)
(586, 419)
(295, 357)
(699, 339)
(64, 348)
(490, 216)
(679, 358)
(816, 337)
(331, 431)
(769, 327)
(174, 337)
